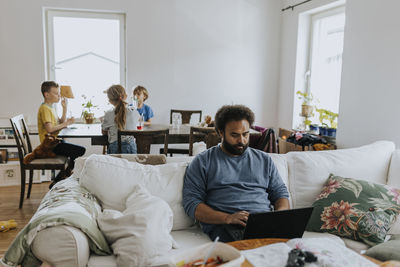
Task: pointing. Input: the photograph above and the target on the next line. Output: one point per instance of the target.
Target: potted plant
(306, 108)
(329, 116)
(87, 112)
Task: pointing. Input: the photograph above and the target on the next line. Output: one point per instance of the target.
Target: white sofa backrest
(394, 170)
(112, 180)
(280, 161)
(185, 159)
(308, 171)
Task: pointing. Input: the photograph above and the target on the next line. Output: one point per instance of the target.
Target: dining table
(177, 135)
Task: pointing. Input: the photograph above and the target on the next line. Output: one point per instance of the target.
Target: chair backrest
(21, 135)
(186, 115)
(206, 134)
(144, 139)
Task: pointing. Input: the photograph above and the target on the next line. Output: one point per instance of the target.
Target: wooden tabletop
(179, 135)
(255, 243)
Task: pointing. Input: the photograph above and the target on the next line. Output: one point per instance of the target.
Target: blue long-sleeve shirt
(248, 182)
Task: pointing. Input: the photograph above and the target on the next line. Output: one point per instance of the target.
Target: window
(85, 50)
(322, 71)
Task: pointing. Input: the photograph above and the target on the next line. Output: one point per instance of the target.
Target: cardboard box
(285, 147)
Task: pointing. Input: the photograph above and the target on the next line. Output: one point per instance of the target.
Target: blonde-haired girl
(119, 118)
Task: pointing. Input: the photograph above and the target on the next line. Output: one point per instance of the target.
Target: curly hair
(230, 113)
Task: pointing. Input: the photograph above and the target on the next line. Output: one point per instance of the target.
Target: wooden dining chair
(144, 139)
(186, 117)
(206, 134)
(21, 135)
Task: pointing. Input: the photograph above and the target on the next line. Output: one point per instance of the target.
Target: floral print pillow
(355, 209)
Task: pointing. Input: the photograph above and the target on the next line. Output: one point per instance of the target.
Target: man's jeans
(227, 232)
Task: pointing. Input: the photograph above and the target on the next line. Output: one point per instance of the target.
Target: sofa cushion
(71, 243)
(355, 209)
(308, 171)
(357, 246)
(186, 239)
(280, 163)
(139, 158)
(389, 250)
(112, 180)
(102, 261)
(395, 229)
(141, 232)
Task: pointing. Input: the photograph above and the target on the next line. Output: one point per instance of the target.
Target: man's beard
(237, 149)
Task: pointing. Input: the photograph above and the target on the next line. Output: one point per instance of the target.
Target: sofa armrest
(61, 246)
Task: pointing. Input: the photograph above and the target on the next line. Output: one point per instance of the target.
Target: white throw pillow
(141, 232)
(308, 171)
(198, 147)
(112, 180)
(79, 163)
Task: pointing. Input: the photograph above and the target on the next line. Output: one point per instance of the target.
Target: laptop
(277, 224)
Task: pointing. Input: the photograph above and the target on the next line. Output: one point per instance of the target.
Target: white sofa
(303, 172)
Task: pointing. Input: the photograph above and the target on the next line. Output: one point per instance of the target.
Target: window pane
(87, 57)
(326, 61)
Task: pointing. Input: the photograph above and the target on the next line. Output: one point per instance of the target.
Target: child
(120, 118)
(141, 94)
(49, 123)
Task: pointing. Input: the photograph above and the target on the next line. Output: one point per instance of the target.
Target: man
(226, 183)
(48, 123)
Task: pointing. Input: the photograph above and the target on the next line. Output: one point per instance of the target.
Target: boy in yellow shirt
(49, 123)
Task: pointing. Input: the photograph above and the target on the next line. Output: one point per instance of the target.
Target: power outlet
(9, 173)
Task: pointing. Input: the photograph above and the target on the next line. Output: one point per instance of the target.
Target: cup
(140, 123)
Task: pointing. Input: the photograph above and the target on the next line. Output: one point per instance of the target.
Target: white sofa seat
(185, 239)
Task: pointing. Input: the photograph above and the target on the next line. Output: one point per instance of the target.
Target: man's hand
(239, 217)
(206, 214)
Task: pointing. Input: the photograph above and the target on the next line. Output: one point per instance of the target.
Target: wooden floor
(9, 201)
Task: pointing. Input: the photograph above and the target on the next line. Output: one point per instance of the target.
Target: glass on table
(140, 123)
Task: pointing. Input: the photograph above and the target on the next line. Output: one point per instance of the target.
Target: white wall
(369, 100)
(189, 54)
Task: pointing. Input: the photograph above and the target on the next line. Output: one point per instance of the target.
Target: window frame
(50, 13)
